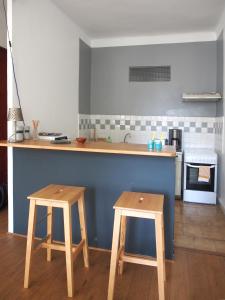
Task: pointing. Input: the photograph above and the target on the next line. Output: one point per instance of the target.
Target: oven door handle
(197, 167)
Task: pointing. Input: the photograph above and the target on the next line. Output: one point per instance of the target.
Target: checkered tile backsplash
(219, 123)
(143, 125)
(137, 123)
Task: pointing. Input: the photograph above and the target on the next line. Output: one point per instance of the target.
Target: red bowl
(81, 140)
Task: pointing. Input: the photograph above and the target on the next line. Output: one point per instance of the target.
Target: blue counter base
(106, 176)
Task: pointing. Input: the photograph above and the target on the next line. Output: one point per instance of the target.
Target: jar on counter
(158, 145)
(19, 133)
(151, 145)
(26, 132)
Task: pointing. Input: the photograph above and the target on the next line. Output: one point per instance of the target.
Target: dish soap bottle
(162, 138)
(151, 143)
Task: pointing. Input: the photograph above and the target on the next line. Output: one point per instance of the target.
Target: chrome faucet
(125, 137)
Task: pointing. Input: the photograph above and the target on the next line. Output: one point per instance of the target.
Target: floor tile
(199, 226)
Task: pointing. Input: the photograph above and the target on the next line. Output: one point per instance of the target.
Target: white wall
(3, 39)
(221, 178)
(46, 51)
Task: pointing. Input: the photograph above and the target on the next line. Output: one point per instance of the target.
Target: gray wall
(220, 76)
(84, 78)
(193, 69)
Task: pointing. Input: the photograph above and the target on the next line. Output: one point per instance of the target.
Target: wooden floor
(3, 220)
(192, 276)
(200, 226)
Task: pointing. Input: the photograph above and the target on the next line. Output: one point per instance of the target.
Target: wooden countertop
(95, 147)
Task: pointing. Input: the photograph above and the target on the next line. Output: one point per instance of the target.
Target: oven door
(191, 180)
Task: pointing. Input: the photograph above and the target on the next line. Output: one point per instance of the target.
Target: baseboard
(222, 205)
(208, 252)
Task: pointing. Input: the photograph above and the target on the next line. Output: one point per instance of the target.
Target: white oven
(196, 190)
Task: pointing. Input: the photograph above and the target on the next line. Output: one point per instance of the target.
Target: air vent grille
(150, 74)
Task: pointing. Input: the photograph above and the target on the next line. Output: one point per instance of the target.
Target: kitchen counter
(95, 147)
(106, 170)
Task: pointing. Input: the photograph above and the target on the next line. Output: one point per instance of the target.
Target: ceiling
(128, 18)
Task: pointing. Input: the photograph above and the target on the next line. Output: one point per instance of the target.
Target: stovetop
(200, 155)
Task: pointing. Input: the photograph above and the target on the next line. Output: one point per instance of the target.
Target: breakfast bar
(106, 170)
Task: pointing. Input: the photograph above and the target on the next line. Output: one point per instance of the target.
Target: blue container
(158, 145)
(151, 145)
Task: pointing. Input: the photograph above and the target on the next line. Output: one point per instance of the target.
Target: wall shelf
(201, 97)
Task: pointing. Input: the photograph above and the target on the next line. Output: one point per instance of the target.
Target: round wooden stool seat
(139, 205)
(64, 197)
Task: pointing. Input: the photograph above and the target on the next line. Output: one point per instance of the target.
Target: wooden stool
(139, 205)
(63, 197)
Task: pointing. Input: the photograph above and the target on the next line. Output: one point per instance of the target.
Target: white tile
(204, 130)
(137, 128)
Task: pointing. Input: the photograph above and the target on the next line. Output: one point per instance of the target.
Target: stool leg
(122, 241)
(163, 238)
(160, 256)
(30, 238)
(82, 217)
(114, 253)
(68, 247)
(49, 232)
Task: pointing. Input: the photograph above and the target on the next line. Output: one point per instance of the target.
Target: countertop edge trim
(89, 150)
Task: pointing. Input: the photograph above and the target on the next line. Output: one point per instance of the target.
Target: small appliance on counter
(54, 137)
(200, 176)
(51, 136)
(175, 138)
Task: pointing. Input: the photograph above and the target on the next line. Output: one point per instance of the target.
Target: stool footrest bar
(41, 242)
(76, 250)
(54, 246)
(139, 259)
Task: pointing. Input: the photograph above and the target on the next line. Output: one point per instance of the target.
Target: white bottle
(19, 133)
(26, 132)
